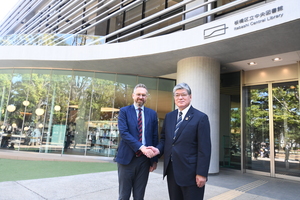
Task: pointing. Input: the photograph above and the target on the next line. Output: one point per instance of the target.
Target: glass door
(257, 128)
(272, 128)
(286, 119)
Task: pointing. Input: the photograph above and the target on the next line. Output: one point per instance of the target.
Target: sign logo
(215, 31)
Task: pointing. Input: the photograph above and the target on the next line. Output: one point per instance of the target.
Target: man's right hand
(154, 150)
(147, 152)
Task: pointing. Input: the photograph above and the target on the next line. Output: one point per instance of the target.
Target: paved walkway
(228, 184)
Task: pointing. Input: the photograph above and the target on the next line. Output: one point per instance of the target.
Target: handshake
(150, 151)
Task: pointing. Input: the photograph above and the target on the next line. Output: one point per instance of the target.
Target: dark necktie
(140, 129)
(140, 124)
(179, 120)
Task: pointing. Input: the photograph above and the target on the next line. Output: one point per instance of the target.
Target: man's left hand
(153, 167)
(200, 181)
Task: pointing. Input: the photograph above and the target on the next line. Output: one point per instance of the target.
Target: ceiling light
(252, 63)
(277, 59)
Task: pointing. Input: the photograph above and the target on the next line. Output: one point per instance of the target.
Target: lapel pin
(186, 118)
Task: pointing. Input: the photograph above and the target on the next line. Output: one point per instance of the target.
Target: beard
(140, 103)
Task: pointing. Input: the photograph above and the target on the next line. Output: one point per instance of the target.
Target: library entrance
(272, 128)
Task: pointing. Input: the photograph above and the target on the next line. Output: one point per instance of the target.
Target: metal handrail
(27, 11)
(183, 22)
(32, 20)
(15, 15)
(74, 9)
(108, 17)
(62, 36)
(45, 29)
(159, 22)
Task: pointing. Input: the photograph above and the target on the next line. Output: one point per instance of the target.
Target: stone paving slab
(227, 185)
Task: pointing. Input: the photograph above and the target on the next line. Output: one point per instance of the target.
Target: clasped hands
(150, 151)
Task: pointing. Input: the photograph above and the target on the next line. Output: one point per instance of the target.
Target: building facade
(67, 67)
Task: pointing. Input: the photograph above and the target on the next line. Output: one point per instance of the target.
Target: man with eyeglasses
(138, 128)
(185, 143)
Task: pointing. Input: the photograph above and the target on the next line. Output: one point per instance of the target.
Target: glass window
(103, 129)
(159, 18)
(133, 15)
(230, 121)
(151, 84)
(223, 2)
(115, 23)
(80, 108)
(165, 100)
(14, 114)
(5, 82)
(71, 112)
(124, 89)
(154, 6)
(54, 129)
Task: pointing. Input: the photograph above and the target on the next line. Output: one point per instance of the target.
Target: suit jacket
(128, 129)
(190, 150)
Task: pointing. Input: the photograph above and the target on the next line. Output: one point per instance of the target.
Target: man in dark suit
(138, 128)
(185, 143)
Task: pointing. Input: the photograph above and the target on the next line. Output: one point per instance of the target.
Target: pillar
(202, 74)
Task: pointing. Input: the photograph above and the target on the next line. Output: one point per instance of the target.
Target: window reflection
(71, 112)
(283, 152)
(286, 128)
(243, 5)
(230, 121)
(257, 128)
(103, 133)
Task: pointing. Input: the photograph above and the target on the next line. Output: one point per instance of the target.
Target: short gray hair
(182, 86)
(140, 85)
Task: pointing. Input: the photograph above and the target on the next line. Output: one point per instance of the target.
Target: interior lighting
(11, 108)
(108, 109)
(41, 125)
(39, 111)
(14, 125)
(57, 108)
(252, 63)
(277, 59)
(26, 103)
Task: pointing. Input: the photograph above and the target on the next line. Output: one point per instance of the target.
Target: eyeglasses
(183, 95)
(141, 95)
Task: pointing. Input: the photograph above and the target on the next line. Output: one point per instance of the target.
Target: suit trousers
(177, 192)
(133, 177)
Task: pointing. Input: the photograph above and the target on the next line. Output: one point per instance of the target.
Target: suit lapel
(173, 119)
(133, 116)
(146, 121)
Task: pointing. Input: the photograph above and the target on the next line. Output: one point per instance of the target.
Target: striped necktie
(140, 124)
(140, 129)
(179, 120)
